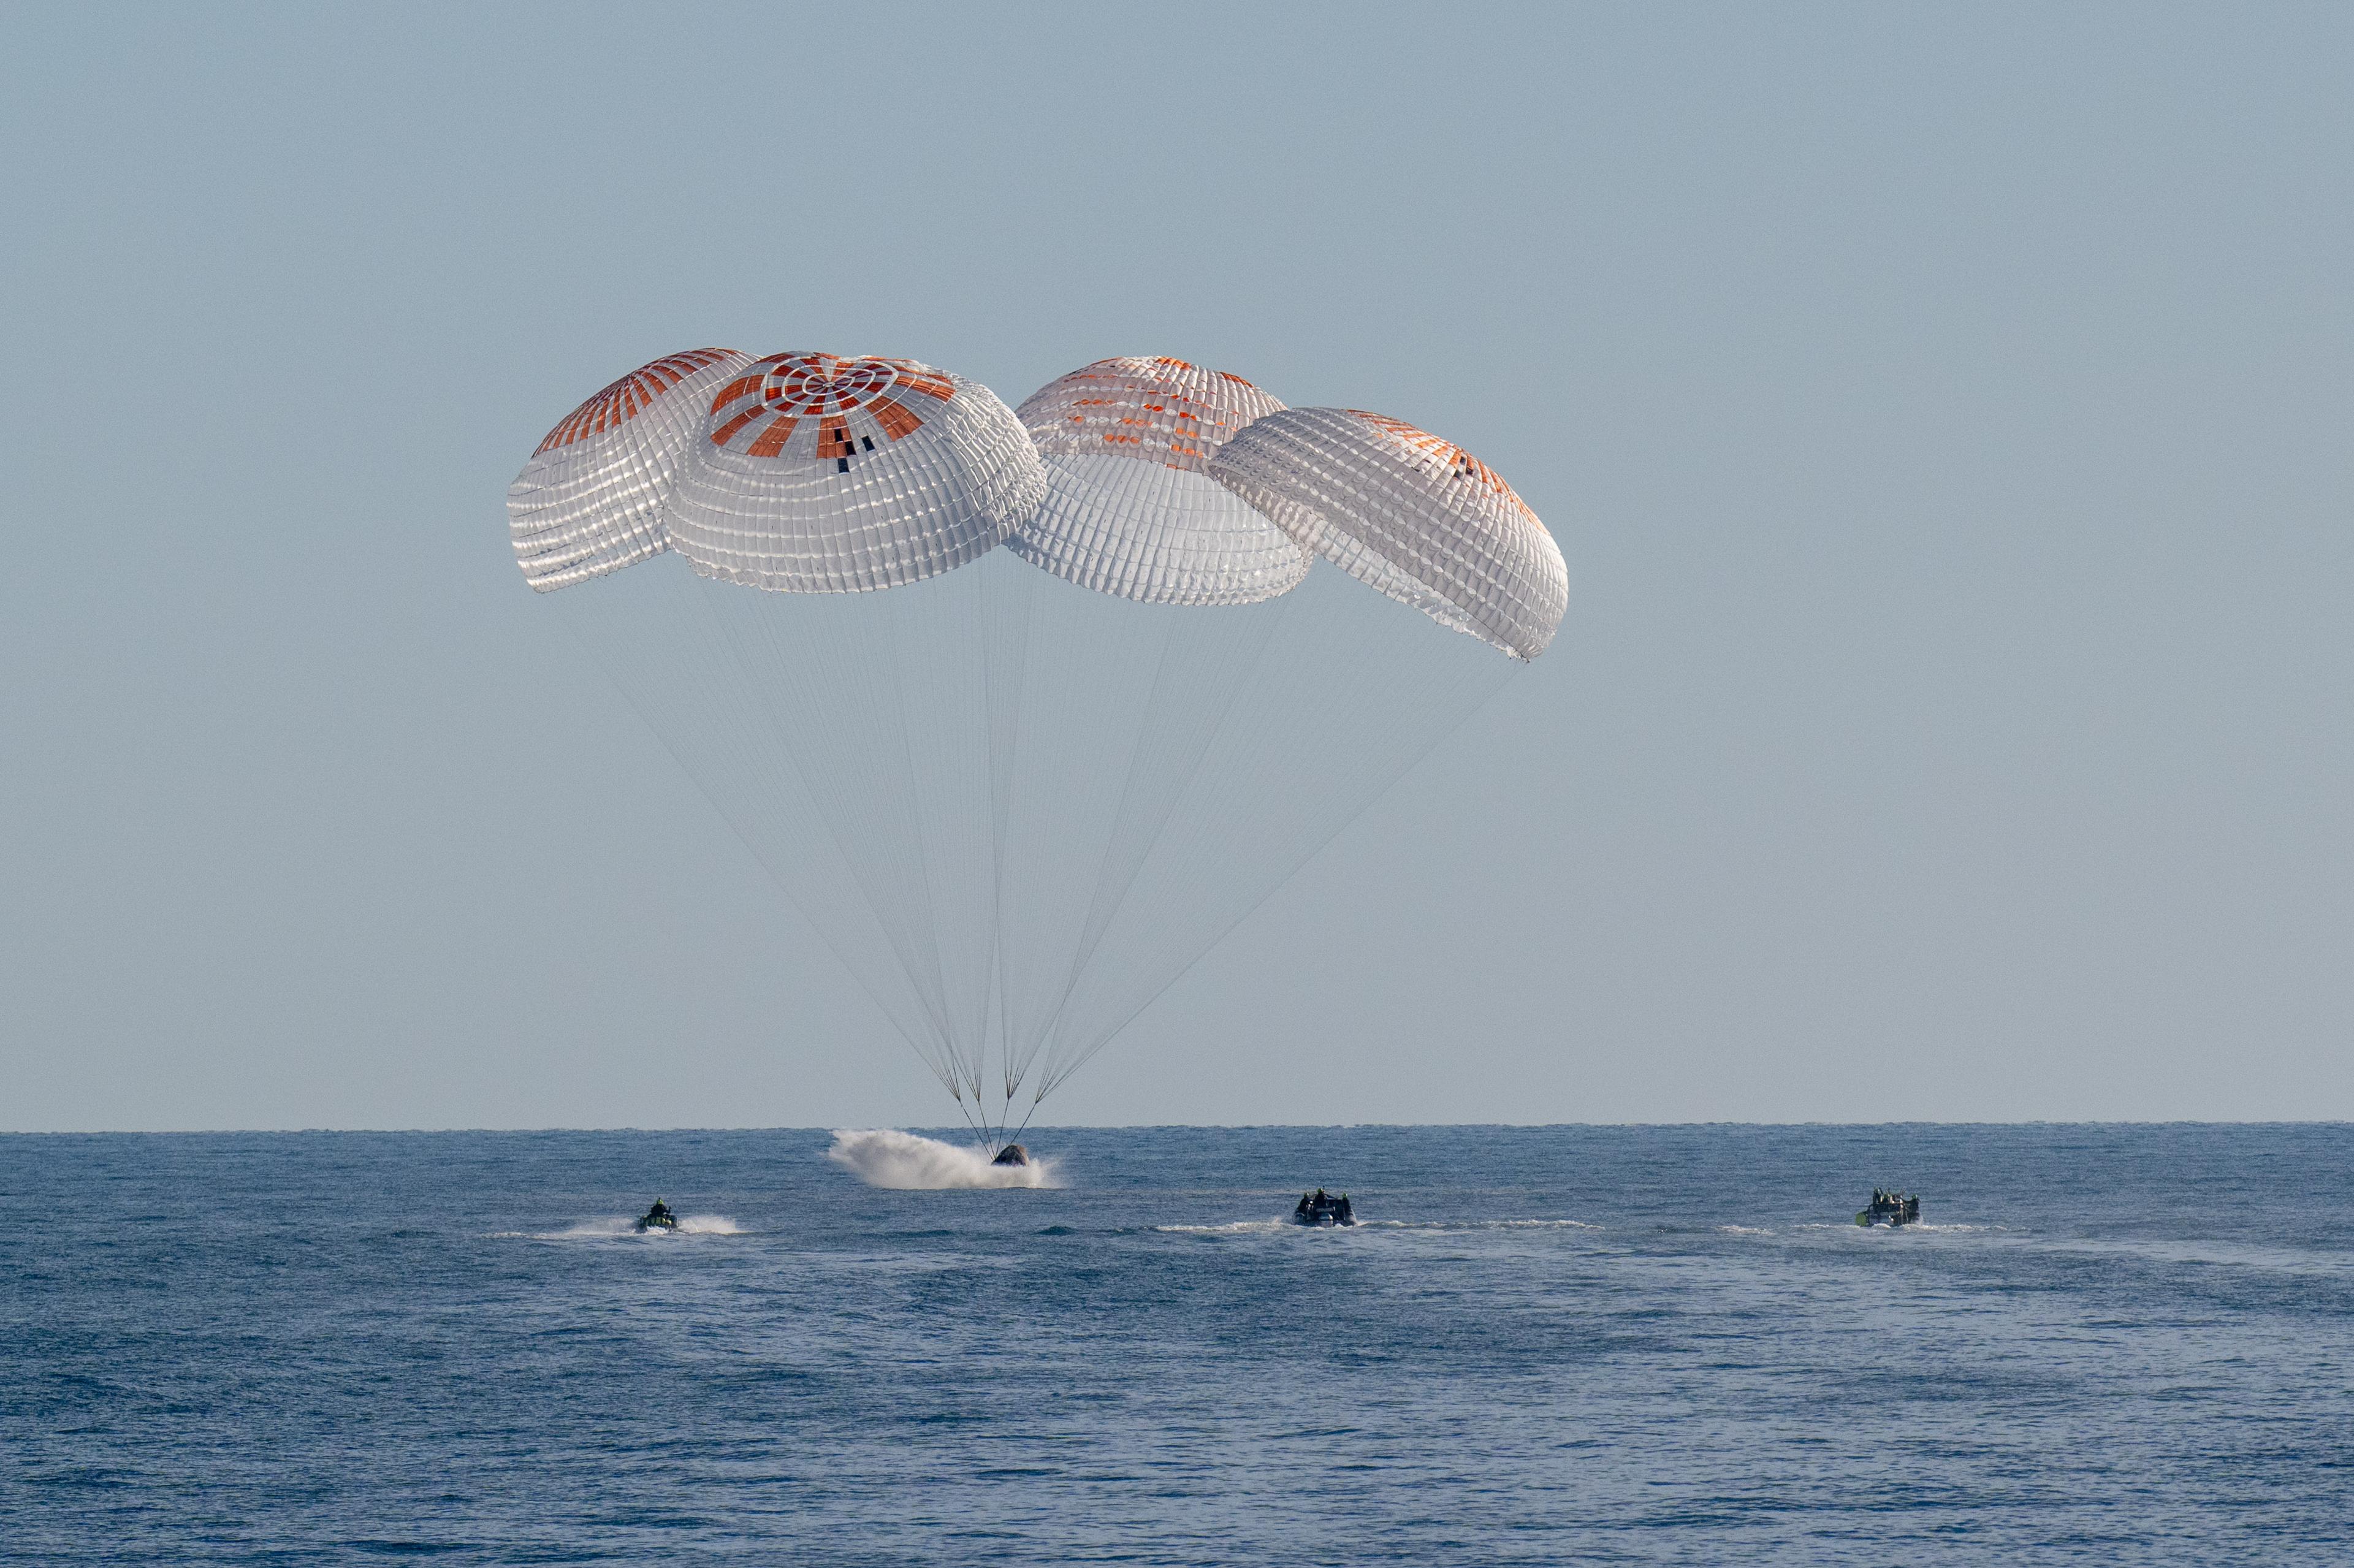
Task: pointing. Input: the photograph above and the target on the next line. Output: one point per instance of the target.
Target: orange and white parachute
(816, 474)
(1418, 517)
(591, 499)
(799, 472)
(1019, 791)
(1130, 508)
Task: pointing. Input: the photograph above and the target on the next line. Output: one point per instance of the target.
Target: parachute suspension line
(983, 936)
(652, 689)
(793, 712)
(789, 707)
(718, 635)
(1339, 825)
(1008, 598)
(1081, 707)
(1091, 723)
(920, 833)
(1211, 654)
(1030, 1111)
(793, 686)
(1232, 640)
(979, 1127)
(790, 684)
(1018, 811)
(1111, 848)
(896, 649)
(942, 643)
(1296, 766)
(1004, 660)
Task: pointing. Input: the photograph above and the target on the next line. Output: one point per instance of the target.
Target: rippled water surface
(1665, 1344)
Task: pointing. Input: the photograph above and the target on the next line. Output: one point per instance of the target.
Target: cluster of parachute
(1029, 706)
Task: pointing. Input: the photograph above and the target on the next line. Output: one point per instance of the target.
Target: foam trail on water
(611, 1225)
(707, 1226)
(623, 1225)
(880, 1157)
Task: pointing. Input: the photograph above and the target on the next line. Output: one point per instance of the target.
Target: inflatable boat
(1321, 1208)
(1889, 1209)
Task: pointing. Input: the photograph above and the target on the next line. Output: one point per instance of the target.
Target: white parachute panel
(590, 500)
(813, 473)
(1413, 516)
(1129, 509)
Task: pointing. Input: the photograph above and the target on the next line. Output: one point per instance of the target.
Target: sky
(1942, 411)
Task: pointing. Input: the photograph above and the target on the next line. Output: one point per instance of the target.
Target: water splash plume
(880, 1157)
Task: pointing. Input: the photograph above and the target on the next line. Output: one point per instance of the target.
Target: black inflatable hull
(1323, 1211)
(1890, 1210)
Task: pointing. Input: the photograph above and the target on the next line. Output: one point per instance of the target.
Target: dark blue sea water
(2109, 1344)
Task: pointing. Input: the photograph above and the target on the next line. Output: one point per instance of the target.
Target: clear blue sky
(1944, 412)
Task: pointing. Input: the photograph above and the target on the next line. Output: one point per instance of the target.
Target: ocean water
(2107, 1344)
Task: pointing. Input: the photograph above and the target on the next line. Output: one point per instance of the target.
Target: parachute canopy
(1130, 507)
(1020, 791)
(590, 500)
(814, 473)
(1418, 517)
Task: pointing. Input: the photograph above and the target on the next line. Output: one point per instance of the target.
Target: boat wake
(880, 1157)
(1478, 1225)
(1246, 1227)
(624, 1227)
(1919, 1227)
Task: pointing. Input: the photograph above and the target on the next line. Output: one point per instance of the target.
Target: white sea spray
(883, 1157)
(610, 1227)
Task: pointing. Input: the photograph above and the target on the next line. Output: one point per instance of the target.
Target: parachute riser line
(1020, 791)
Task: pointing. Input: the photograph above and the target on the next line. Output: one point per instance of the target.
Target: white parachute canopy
(1130, 509)
(819, 474)
(1418, 517)
(590, 500)
(1017, 802)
